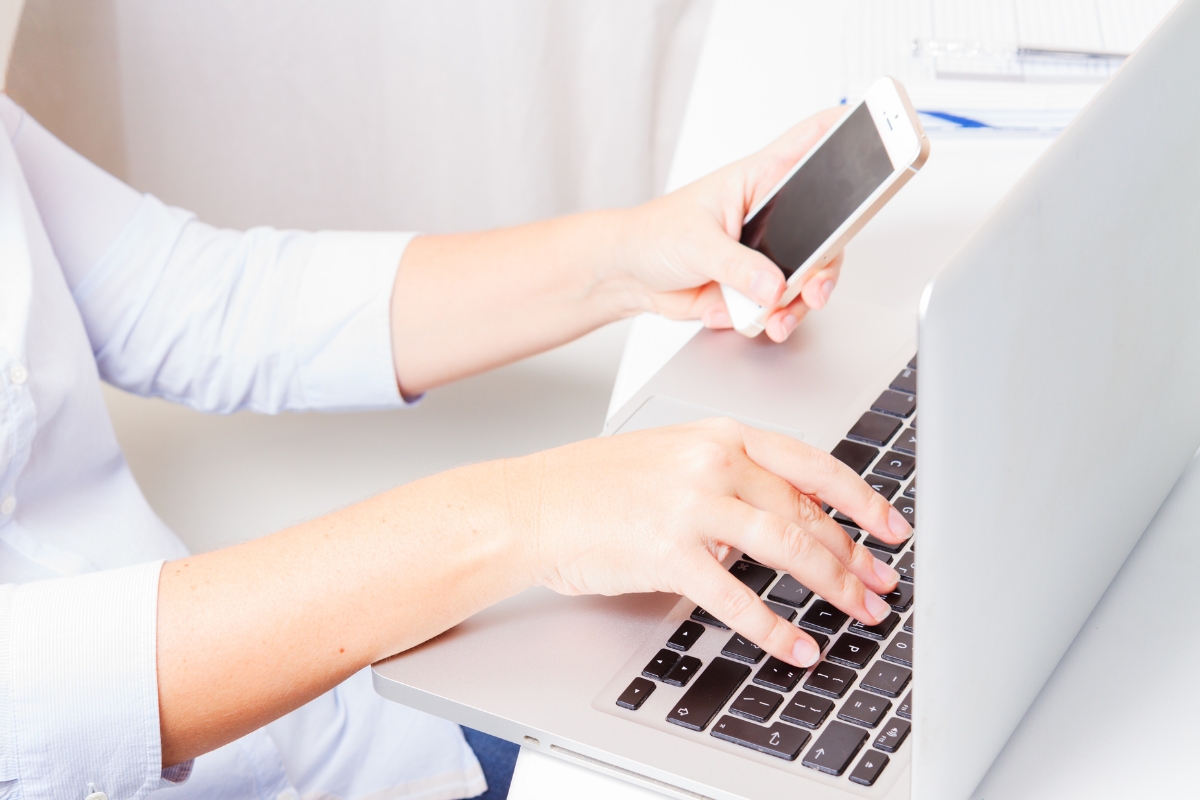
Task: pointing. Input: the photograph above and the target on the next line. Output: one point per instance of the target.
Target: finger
(705, 581)
(710, 308)
(723, 259)
(819, 288)
(817, 473)
(781, 323)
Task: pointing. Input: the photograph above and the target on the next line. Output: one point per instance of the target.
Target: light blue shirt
(100, 282)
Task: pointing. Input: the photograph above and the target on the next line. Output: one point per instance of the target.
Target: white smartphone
(860, 163)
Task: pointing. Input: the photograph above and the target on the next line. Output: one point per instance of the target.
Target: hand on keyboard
(657, 510)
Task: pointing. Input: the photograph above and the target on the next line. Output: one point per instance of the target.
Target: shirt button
(18, 374)
(96, 796)
(8, 506)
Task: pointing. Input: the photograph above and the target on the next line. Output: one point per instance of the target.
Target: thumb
(748, 271)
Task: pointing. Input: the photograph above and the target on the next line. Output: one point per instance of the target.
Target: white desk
(1107, 724)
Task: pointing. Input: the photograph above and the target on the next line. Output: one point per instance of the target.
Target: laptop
(1054, 387)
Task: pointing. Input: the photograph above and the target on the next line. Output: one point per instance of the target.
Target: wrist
(615, 259)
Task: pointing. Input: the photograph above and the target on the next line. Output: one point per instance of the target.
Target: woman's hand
(657, 510)
(681, 245)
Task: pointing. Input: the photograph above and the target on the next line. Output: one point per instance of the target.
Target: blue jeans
(498, 759)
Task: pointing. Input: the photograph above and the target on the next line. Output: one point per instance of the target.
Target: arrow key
(633, 697)
(868, 770)
(836, 748)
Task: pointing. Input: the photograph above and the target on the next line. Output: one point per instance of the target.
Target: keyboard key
(911, 489)
(779, 740)
(908, 623)
(700, 615)
(907, 443)
(756, 704)
(864, 709)
(854, 455)
(900, 650)
(852, 651)
(685, 636)
(868, 770)
(882, 556)
(778, 675)
(823, 617)
(879, 631)
(660, 665)
(787, 613)
(892, 735)
(913, 424)
(807, 710)
(875, 429)
(633, 697)
(683, 671)
(905, 709)
(851, 531)
(830, 679)
(821, 639)
(900, 598)
(742, 649)
(908, 509)
(708, 693)
(886, 679)
(895, 465)
(790, 591)
(913, 364)
(835, 749)
(885, 486)
(907, 567)
(905, 382)
(896, 404)
(845, 522)
(880, 544)
(755, 576)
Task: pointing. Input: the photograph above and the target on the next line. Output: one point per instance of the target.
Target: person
(129, 667)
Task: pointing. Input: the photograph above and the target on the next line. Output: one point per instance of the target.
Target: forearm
(465, 303)
(249, 633)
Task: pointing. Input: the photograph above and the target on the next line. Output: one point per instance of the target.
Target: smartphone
(806, 220)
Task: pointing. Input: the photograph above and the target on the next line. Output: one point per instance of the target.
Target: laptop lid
(1060, 400)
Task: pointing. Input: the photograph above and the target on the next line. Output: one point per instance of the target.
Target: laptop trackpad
(659, 411)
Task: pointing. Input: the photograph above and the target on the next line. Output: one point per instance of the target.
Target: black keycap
(900, 650)
(895, 465)
(897, 404)
(875, 429)
(807, 709)
(835, 749)
(852, 651)
(854, 455)
(852, 532)
(869, 768)
(913, 423)
(878, 631)
(913, 364)
(905, 382)
(779, 740)
(822, 617)
(756, 704)
(683, 671)
(708, 693)
(633, 697)
(790, 591)
(900, 598)
(907, 443)
(905, 709)
(787, 613)
(880, 544)
(882, 556)
(742, 649)
(685, 636)
(844, 521)
(907, 567)
(864, 709)
(755, 576)
(892, 735)
(700, 615)
(829, 679)
(821, 639)
(911, 489)
(885, 486)
(908, 623)
(778, 675)
(886, 679)
(660, 665)
(908, 509)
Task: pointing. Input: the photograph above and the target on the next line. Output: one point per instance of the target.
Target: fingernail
(827, 290)
(764, 286)
(875, 606)
(789, 323)
(717, 318)
(898, 524)
(886, 573)
(805, 652)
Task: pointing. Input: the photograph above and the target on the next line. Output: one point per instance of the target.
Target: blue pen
(962, 122)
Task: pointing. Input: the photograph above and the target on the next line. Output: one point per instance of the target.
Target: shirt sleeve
(220, 320)
(79, 688)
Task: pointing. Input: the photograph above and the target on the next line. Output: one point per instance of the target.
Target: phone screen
(821, 195)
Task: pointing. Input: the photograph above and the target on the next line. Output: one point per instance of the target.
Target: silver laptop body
(1059, 386)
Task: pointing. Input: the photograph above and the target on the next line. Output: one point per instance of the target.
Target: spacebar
(709, 692)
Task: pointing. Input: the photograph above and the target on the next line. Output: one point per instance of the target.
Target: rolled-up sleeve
(78, 686)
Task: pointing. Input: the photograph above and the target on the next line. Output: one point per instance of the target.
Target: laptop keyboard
(845, 715)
